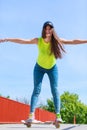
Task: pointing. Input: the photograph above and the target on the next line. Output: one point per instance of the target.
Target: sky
(24, 19)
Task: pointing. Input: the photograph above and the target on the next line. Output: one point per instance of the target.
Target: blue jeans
(53, 77)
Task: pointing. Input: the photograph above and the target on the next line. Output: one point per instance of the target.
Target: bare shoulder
(36, 40)
(33, 41)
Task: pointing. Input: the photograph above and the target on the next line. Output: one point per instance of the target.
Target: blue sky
(24, 19)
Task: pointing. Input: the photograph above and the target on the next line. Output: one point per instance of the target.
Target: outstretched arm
(64, 41)
(73, 42)
(20, 41)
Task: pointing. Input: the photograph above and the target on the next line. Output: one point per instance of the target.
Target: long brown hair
(56, 46)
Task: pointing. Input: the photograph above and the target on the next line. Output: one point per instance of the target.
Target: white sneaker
(30, 121)
(59, 120)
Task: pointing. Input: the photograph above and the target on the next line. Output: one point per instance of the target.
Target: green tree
(4, 96)
(71, 107)
(49, 106)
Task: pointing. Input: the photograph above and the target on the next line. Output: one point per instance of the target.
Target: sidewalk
(43, 127)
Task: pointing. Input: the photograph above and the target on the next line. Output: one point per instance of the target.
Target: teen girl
(50, 48)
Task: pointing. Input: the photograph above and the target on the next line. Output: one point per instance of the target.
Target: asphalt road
(42, 127)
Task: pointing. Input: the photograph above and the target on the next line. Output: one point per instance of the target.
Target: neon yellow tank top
(45, 58)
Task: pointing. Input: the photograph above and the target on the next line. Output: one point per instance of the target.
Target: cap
(48, 23)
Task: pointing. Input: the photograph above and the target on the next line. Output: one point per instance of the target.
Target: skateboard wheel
(57, 125)
(28, 125)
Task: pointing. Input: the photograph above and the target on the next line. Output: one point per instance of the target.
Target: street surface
(42, 127)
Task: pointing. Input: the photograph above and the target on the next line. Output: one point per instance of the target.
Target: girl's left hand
(2, 40)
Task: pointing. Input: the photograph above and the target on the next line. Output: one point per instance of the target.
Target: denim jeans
(53, 78)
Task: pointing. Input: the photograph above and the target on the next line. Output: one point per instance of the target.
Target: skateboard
(29, 124)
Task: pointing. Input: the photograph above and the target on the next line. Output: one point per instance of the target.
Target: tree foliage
(71, 107)
(4, 96)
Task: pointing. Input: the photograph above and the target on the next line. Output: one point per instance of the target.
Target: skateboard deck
(29, 124)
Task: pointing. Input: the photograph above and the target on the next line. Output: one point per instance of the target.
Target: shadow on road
(71, 127)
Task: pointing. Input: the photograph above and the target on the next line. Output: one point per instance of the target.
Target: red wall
(44, 115)
(13, 112)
